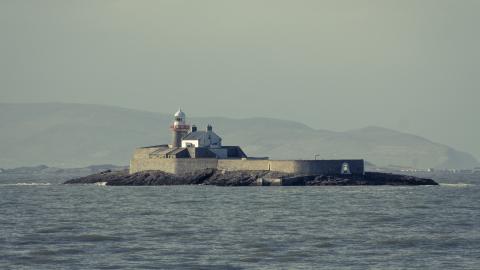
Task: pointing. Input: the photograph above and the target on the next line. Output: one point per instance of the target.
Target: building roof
(197, 152)
(156, 146)
(183, 152)
(199, 135)
(162, 151)
(176, 151)
(235, 152)
(200, 152)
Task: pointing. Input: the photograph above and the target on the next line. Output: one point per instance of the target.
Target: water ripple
(199, 227)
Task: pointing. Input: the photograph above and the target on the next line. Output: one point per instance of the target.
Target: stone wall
(142, 162)
(329, 167)
(242, 164)
(285, 166)
(185, 165)
(153, 164)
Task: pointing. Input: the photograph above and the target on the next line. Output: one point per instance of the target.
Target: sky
(409, 65)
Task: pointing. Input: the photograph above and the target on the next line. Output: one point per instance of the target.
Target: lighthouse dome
(180, 113)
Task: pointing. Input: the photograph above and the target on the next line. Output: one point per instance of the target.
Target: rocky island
(245, 178)
(198, 157)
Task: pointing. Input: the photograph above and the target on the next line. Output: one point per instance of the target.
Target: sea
(55, 226)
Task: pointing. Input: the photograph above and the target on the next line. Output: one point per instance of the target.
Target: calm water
(200, 227)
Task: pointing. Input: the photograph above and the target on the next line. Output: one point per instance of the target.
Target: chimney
(194, 128)
(209, 128)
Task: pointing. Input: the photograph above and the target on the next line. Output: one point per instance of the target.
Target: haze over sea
(206, 227)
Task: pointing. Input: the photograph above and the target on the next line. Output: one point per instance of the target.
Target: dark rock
(235, 178)
(246, 178)
(377, 178)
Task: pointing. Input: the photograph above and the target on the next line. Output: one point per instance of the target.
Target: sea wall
(331, 167)
(243, 165)
(141, 161)
(153, 164)
(186, 165)
(285, 166)
(328, 167)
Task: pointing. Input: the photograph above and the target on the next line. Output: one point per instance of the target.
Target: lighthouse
(179, 128)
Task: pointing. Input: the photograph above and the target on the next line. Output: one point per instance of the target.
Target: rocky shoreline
(246, 178)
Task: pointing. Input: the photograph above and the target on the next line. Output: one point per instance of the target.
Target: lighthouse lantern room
(179, 128)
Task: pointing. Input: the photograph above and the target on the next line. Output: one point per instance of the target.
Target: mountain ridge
(73, 134)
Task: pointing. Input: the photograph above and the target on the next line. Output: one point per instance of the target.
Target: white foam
(456, 184)
(26, 184)
(100, 183)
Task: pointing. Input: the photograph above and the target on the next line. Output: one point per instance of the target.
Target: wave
(100, 183)
(456, 184)
(26, 184)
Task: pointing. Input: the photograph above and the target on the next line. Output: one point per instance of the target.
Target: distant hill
(44, 174)
(76, 135)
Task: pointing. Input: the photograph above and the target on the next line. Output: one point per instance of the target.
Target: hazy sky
(413, 66)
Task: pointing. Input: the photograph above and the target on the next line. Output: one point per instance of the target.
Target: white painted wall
(186, 143)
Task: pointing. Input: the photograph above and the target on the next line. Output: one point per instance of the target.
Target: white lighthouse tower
(179, 128)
